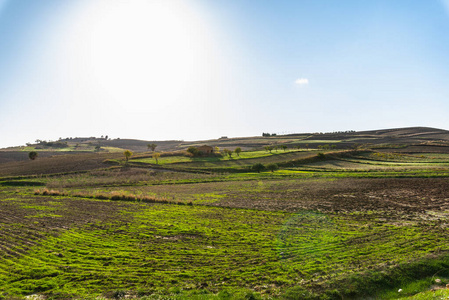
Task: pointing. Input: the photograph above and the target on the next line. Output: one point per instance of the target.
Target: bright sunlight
(144, 51)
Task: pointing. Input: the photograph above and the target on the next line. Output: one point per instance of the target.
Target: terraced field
(69, 247)
(335, 225)
(57, 164)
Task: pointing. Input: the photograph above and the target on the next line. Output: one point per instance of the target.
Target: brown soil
(57, 164)
(403, 195)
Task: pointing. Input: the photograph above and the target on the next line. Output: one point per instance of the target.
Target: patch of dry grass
(114, 196)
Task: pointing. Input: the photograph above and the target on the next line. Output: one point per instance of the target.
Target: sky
(201, 69)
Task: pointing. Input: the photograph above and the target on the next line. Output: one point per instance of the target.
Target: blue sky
(199, 69)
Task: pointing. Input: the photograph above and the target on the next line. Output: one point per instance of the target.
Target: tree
(152, 146)
(127, 154)
(193, 150)
(238, 150)
(258, 167)
(284, 147)
(228, 152)
(156, 155)
(272, 167)
(268, 148)
(217, 149)
(32, 155)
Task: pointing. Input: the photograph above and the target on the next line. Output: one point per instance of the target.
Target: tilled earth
(25, 220)
(400, 195)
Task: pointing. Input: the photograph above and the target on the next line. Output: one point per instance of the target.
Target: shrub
(272, 167)
(32, 155)
(193, 150)
(258, 167)
(127, 154)
(156, 156)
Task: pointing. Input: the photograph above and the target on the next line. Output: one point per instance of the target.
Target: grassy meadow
(327, 224)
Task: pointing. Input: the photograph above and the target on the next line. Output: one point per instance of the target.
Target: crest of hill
(423, 132)
(83, 154)
(410, 135)
(140, 145)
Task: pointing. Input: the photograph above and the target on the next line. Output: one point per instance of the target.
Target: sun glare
(144, 51)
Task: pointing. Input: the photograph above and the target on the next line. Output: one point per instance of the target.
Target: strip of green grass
(441, 294)
(211, 159)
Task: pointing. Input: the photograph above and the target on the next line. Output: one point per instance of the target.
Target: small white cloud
(302, 81)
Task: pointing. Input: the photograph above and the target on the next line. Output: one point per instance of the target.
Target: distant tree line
(336, 132)
(195, 152)
(52, 144)
(266, 134)
(64, 141)
(326, 147)
(270, 148)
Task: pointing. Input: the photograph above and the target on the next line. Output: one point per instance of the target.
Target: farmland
(331, 223)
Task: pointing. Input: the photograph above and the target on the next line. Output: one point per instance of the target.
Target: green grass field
(145, 249)
(212, 159)
(342, 225)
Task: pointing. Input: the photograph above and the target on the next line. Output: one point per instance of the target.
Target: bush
(127, 154)
(193, 150)
(32, 155)
(258, 167)
(272, 167)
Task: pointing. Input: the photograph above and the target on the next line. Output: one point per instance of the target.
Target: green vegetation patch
(439, 294)
(163, 160)
(158, 247)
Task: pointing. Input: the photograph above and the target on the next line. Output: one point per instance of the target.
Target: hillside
(412, 136)
(344, 215)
